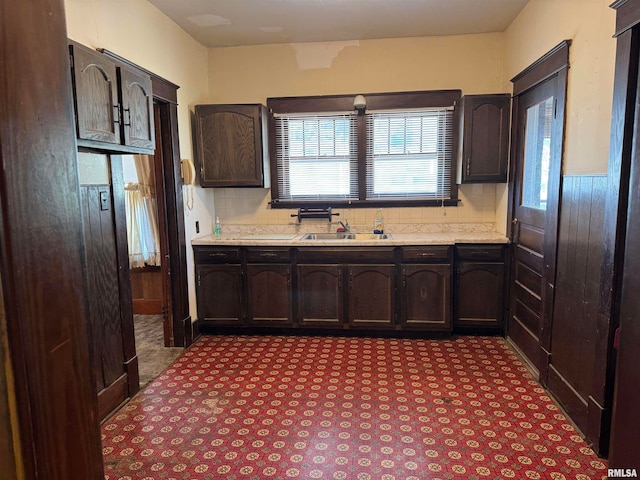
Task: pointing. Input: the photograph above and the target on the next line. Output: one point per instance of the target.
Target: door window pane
(537, 154)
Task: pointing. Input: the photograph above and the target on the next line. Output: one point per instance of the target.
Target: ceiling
(222, 23)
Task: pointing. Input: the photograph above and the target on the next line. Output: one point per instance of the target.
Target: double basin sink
(346, 236)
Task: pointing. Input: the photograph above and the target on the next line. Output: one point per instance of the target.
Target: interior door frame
(165, 96)
(553, 63)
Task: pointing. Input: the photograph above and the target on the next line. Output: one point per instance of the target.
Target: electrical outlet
(197, 226)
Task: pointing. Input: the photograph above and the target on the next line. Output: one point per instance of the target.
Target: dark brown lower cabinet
(479, 287)
(320, 297)
(426, 297)
(219, 294)
(371, 295)
(377, 288)
(269, 297)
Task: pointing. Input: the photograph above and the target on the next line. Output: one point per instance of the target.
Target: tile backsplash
(248, 206)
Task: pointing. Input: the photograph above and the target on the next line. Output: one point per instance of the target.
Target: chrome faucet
(346, 226)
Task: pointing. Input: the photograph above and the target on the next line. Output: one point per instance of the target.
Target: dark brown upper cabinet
(113, 103)
(484, 139)
(231, 145)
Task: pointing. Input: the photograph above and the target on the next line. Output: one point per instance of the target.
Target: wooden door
(320, 295)
(538, 129)
(269, 294)
(371, 295)
(96, 89)
(137, 109)
(426, 297)
(219, 293)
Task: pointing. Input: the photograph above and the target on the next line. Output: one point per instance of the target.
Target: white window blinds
(316, 156)
(409, 154)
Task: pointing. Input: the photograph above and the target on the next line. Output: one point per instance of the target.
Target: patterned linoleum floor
(345, 408)
(153, 356)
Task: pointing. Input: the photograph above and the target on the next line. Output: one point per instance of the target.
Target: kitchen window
(400, 150)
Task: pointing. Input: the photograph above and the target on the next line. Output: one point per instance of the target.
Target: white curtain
(142, 217)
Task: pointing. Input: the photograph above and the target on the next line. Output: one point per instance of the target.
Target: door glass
(537, 154)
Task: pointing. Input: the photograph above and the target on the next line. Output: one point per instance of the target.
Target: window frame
(375, 101)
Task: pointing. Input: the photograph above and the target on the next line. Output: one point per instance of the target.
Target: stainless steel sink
(346, 236)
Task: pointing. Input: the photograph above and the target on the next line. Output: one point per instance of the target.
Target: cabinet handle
(427, 254)
(268, 255)
(350, 280)
(468, 166)
(217, 255)
(404, 277)
(339, 279)
(126, 117)
(481, 253)
(116, 115)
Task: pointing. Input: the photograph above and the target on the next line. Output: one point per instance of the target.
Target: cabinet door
(371, 295)
(269, 294)
(219, 294)
(426, 297)
(229, 145)
(479, 295)
(96, 96)
(320, 295)
(137, 109)
(485, 141)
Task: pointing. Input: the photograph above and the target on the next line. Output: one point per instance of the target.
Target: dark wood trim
(109, 399)
(545, 67)
(133, 375)
(616, 206)
(124, 277)
(553, 219)
(375, 101)
(42, 270)
(175, 220)
(162, 89)
(364, 203)
(628, 15)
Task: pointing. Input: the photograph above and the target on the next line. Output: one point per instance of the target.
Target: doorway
(538, 127)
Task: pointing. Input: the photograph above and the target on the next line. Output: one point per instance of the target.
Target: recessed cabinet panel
(320, 295)
(426, 297)
(371, 295)
(484, 151)
(479, 295)
(231, 145)
(269, 294)
(137, 109)
(96, 96)
(219, 294)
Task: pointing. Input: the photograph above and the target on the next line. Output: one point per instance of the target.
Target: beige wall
(472, 63)
(140, 33)
(590, 25)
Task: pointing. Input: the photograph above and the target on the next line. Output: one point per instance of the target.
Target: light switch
(104, 200)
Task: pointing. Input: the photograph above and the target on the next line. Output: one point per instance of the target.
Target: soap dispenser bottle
(217, 228)
(378, 223)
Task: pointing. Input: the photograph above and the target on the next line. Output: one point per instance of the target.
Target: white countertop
(399, 239)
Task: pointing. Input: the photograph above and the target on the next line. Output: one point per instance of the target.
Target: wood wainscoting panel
(574, 331)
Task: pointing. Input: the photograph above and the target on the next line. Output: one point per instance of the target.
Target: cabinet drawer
(434, 254)
(209, 255)
(346, 255)
(268, 255)
(481, 253)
